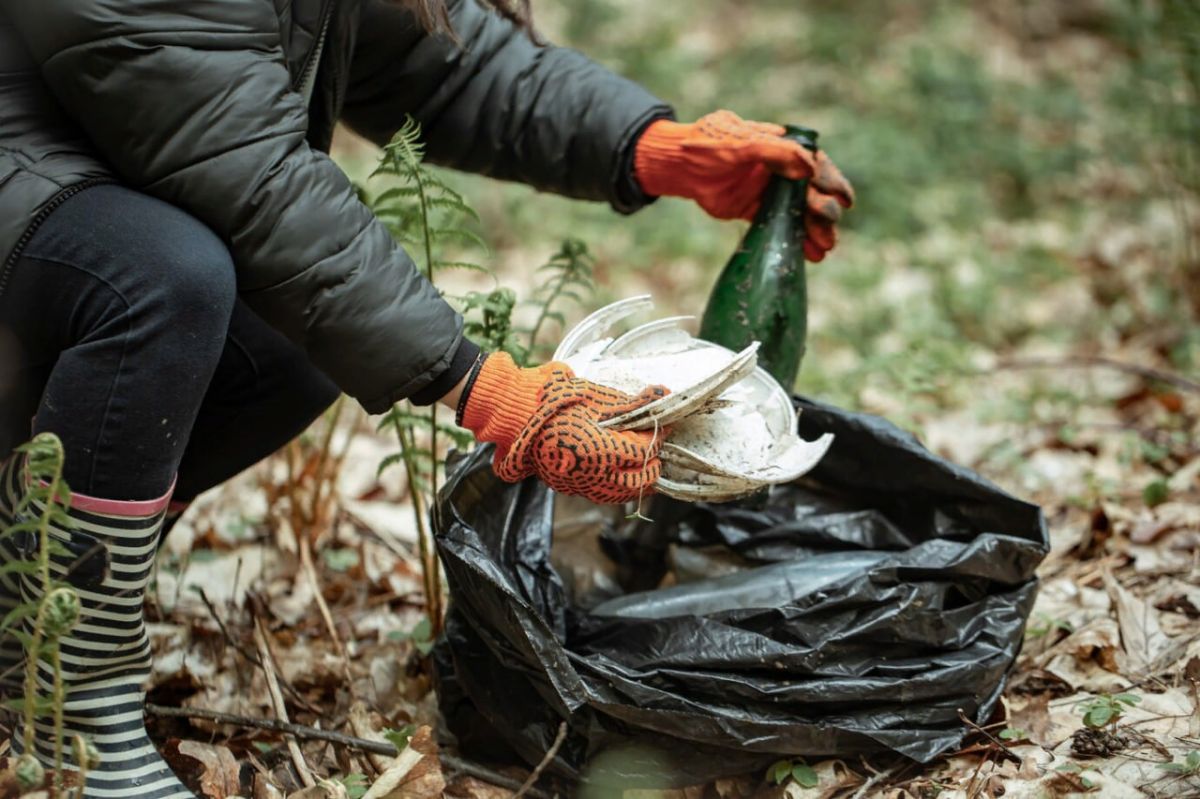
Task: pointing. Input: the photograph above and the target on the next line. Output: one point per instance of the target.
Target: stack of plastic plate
(732, 428)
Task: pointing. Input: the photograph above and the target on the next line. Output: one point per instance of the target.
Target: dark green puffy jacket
(197, 102)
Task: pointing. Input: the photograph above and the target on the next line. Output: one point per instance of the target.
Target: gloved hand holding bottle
(545, 421)
(723, 162)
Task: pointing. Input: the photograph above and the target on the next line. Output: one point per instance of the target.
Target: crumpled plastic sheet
(865, 605)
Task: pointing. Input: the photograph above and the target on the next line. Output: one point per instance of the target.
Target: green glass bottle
(762, 294)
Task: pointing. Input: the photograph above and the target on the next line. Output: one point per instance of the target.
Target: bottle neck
(783, 197)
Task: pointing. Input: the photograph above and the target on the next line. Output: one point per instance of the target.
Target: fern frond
(464, 265)
(391, 195)
(462, 234)
(388, 462)
(568, 269)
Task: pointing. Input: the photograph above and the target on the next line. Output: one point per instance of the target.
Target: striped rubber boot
(12, 658)
(106, 655)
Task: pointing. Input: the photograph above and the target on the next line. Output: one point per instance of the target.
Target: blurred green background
(1027, 176)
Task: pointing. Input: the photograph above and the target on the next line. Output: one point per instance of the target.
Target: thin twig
(252, 657)
(303, 732)
(871, 783)
(1007, 752)
(316, 518)
(306, 563)
(551, 753)
(971, 792)
(1085, 361)
(268, 662)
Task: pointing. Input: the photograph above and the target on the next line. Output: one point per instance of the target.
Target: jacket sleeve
(190, 101)
(497, 104)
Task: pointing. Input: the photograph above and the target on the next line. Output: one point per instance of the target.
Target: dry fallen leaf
(416, 773)
(1087, 659)
(1144, 643)
(325, 789)
(1033, 714)
(735, 787)
(210, 770)
(467, 787)
(265, 789)
(833, 777)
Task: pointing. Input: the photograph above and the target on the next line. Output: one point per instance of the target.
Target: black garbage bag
(853, 612)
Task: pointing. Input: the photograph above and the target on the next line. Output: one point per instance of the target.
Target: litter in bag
(855, 611)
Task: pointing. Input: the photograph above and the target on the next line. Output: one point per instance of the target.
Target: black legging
(121, 331)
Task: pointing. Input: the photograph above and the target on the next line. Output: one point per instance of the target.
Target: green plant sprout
(1074, 768)
(421, 636)
(1188, 767)
(568, 276)
(420, 212)
(400, 738)
(796, 770)
(1106, 709)
(355, 784)
(51, 617)
(1044, 625)
(426, 215)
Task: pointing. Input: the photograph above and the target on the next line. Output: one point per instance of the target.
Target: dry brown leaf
(397, 772)
(833, 777)
(1033, 714)
(467, 787)
(1144, 643)
(1062, 783)
(265, 789)
(416, 773)
(210, 770)
(1164, 518)
(325, 789)
(1087, 659)
(735, 787)
(366, 725)
(9, 787)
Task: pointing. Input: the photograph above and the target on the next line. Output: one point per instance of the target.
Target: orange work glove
(545, 422)
(724, 162)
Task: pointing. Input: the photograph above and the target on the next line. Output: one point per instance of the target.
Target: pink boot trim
(123, 508)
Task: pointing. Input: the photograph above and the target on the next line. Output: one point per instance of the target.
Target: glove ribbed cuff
(657, 157)
(504, 399)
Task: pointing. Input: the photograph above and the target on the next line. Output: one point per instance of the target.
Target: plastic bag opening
(853, 612)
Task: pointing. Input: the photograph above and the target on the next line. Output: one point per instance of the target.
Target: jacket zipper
(314, 55)
(41, 217)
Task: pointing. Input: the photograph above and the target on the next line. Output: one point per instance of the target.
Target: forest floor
(1117, 620)
(1018, 286)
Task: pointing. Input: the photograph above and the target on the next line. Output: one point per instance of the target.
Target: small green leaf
(805, 776)
(341, 560)
(355, 785)
(423, 630)
(400, 738)
(1128, 699)
(1013, 734)
(1156, 492)
(779, 771)
(1098, 716)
